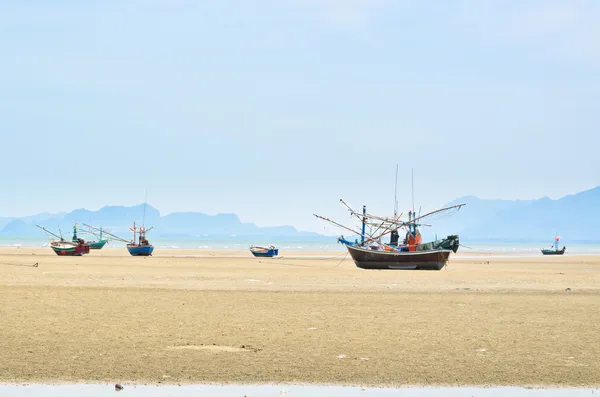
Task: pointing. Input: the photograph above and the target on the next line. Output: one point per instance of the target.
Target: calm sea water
(98, 390)
(321, 244)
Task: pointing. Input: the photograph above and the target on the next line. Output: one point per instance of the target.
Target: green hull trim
(96, 245)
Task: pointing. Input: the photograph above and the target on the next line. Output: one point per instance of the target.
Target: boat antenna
(412, 171)
(396, 194)
(145, 200)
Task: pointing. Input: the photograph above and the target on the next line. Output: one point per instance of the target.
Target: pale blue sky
(276, 109)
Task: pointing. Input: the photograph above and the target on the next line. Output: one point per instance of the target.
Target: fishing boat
(367, 258)
(62, 247)
(141, 247)
(95, 245)
(68, 248)
(264, 252)
(411, 253)
(554, 250)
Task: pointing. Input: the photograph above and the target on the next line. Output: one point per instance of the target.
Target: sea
(235, 243)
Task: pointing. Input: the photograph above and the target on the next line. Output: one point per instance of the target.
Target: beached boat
(142, 246)
(264, 252)
(412, 253)
(139, 246)
(77, 247)
(554, 250)
(69, 248)
(95, 245)
(98, 245)
(367, 258)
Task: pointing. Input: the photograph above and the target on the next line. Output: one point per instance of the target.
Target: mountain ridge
(118, 219)
(575, 217)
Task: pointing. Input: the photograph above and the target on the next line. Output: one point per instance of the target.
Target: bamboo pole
(337, 224)
(415, 220)
(49, 232)
(112, 235)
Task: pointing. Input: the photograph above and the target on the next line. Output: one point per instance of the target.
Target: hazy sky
(276, 109)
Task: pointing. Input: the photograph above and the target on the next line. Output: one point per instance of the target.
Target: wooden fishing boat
(62, 247)
(95, 245)
(142, 247)
(264, 252)
(68, 248)
(98, 245)
(554, 250)
(412, 253)
(368, 258)
(139, 246)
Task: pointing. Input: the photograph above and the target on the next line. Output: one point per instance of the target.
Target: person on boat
(394, 238)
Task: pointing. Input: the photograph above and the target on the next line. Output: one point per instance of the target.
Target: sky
(275, 110)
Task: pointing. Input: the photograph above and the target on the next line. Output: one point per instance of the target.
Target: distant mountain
(5, 221)
(118, 219)
(574, 217)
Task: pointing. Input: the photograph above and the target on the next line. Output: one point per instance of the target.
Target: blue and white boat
(140, 250)
(263, 252)
(142, 246)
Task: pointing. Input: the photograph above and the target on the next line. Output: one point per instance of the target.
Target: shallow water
(99, 390)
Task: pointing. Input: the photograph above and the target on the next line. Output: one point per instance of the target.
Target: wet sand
(309, 317)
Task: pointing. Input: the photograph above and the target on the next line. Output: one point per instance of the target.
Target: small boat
(554, 250)
(98, 245)
(69, 248)
(95, 245)
(263, 252)
(142, 247)
(61, 247)
(139, 246)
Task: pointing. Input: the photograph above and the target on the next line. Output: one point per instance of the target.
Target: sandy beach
(308, 317)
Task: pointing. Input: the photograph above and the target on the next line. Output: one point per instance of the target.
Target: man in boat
(394, 238)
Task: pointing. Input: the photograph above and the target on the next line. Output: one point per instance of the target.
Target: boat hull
(418, 260)
(268, 254)
(97, 245)
(140, 250)
(553, 252)
(77, 250)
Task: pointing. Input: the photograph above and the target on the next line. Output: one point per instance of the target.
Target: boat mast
(364, 224)
(412, 226)
(396, 194)
(134, 230)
